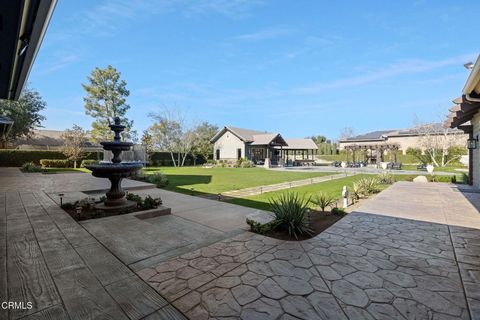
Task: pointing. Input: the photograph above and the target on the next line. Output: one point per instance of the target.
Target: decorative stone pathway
(284, 185)
(367, 266)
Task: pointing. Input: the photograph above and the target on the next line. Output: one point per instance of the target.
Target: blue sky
(295, 67)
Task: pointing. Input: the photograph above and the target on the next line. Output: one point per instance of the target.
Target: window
(218, 154)
(239, 154)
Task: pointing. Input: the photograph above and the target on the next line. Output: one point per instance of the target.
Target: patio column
(470, 162)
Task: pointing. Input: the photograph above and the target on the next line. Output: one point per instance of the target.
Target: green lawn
(217, 180)
(333, 188)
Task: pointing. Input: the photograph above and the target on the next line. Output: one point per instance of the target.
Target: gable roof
(263, 139)
(246, 135)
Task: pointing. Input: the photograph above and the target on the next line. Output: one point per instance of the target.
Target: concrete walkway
(412, 252)
(284, 185)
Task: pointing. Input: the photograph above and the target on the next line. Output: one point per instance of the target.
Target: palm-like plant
(323, 200)
(291, 214)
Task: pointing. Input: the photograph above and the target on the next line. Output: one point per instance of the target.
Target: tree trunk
(184, 156)
(173, 159)
(75, 164)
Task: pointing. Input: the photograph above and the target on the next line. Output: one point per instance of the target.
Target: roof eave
(473, 80)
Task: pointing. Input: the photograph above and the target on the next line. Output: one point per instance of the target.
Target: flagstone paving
(367, 266)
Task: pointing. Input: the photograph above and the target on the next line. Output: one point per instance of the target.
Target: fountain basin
(106, 170)
(116, 145)
(115, 172)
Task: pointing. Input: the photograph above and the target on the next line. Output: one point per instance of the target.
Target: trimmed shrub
(30, 167)
(258, 227)
(16, 158)
(144, 204)
(151, 203)
(158, 179)
(164, 159)
(291, 214)
(56, 163)
(338, 211)
(87, 162)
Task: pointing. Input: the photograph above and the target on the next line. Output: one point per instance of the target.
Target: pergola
(461, 114)
(374, 151)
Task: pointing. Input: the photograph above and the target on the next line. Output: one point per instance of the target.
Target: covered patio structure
(298, 152)
(372, 153)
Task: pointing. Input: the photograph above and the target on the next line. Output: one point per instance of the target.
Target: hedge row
(164, 159)
(56, 163)
(16, 158)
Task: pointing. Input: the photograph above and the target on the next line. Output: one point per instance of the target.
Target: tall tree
(318, 139)
(73, 142)
(204, 132)
(105, 100)
(25, 114)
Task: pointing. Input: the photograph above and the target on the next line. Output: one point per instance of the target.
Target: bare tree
(440, 145)
(170, 133)
(73, 142)
(346, 133)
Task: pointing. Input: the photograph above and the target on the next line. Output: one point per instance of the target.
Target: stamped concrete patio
(410, 252)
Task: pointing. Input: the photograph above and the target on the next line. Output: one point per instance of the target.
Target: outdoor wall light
(472, 143)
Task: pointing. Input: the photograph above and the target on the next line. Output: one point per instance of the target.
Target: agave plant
(323, 200)
(291, 214)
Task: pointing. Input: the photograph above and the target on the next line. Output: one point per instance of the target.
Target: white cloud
(392, 70)
(60, 63)
(268, 33)
(112, 13)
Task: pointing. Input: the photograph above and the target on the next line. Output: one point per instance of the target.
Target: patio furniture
(422, 167)
(397, 166)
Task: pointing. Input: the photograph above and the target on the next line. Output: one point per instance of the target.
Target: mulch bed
(319, 221)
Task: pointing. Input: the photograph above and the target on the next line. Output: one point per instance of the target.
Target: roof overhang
(461, 113)
(472, 86)
(23, 24)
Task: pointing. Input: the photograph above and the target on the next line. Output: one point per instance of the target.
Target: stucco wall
(476, 152)
(228, 144)
(405, 142)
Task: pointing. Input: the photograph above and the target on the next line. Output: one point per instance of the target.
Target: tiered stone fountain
(115, 171)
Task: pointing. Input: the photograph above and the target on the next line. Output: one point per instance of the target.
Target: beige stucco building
(398, 140)
(231, 144)
(465, 116)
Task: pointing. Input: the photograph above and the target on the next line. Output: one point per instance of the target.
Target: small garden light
(61, 198)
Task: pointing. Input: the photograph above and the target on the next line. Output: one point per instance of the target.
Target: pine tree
(105, 100)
